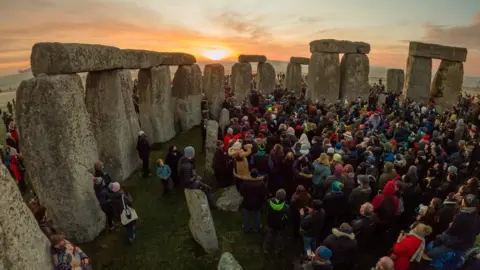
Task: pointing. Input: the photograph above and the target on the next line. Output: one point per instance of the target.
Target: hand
(85, 261)
(302, 213)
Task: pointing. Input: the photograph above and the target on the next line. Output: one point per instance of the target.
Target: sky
(278, 29)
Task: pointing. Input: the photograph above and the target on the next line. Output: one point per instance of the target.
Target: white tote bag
(128, 214)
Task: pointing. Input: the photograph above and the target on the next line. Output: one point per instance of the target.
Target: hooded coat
(240, 158)
(388, 192)
(343, 246)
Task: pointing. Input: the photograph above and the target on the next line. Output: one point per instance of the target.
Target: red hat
(426, 137)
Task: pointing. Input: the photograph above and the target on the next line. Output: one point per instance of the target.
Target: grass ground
(163, 239)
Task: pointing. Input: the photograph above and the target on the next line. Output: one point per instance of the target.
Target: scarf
(417, 256)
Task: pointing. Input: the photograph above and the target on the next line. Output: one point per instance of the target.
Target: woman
(65, 255)
(289, 174)
(275, 181)
(171, 160)
(300, 199)
(119, 201)
(220, 166)
(349, 179)
(320, 174)
(410, 247)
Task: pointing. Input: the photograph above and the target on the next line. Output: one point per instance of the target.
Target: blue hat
(324, 253)
(189, 152)
(338, 146)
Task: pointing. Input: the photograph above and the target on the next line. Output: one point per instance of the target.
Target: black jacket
(186, 171)
(311, 225)
(254, 193)
(445, 216)
(316, 150)
(117, 204)
(342, 245)
(143, 147)
(363, 226)
(277, 214)
(464, 230)
(334, 204)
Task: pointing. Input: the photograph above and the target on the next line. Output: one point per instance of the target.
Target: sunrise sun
(216, 54)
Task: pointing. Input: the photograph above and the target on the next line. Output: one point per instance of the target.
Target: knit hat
(337, 187)
(324, 253)
(189, 152)
(338, 146)
(330, 150)
(114, 187)
(304, 149)
(337, 157)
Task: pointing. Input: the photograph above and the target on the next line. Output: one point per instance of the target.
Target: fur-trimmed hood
(339, 233)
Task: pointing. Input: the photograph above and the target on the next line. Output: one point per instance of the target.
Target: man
(67, 256)
(143, 148)
(311, 225)
(384, 263)
(277, 219)
(98, 166)
(364, 224)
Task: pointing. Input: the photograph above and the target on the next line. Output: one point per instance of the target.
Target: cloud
(242, 24)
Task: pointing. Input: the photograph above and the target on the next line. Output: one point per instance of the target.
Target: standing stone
(447, 83)
(210, 145)
(187, 90)
(395, 80)
(24, 246)
(201, 221)
(228, 262)
(266, 77)
(224, 120)
(418, 78)
(354, 70)
(214, 85)
(324, 77)
(115, 125)
(241, 80)
(230, 199)
(156, 104)
(59, 149)
(294, 77)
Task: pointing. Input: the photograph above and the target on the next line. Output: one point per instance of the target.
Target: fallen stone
(395, 80)
(138, 59)
(241, 80)
(108, 99)
(436, 51)
(248, 58)
(214, 86)
(228, 262)
(338, 46)
(210, 145)
(156, 104)
(293, 78)
(447, 83)
(66, 58)
(224, 120)
(177, 59)
(187, 90)
(354, 70)
(300, 60)
(55, 126)
(418, 78)
(24, 246)
(230, 199)
(324, 77)
(201, 220)
(266, 77)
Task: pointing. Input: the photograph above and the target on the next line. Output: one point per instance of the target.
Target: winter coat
(384, 178)
(404, 250)
(463, 229)
(445, 216)
(186, 171)
(311, 225)
(14, 168)
(363, 226)
(388, 192)
(277, 214)
(69, 257)
(254, 194)
(172, 161)
(334, 204)
(359, 196)
(316, 150)
(220, 162)
(117, 204)
(240, 158)
(143, 147)
(321, 173)
(343, 246)
(164, 172)
(262, 163)
(303, 179)
(105, 176)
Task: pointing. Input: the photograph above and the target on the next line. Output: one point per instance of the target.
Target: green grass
(163, 238)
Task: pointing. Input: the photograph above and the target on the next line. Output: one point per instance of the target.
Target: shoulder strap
(123, 202)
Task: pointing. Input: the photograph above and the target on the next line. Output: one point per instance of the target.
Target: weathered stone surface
(228, 262)
(137, 59)
(395, 80)
(156, 104)
(224, 119)
(210, 145)
(418, 78)
(324, 77)
(201, 220)
(447, 83)
(266, 77)
(354, 70)
(214, 87)
(108, 99)
(24, 246)
(59, 149)
(241, 80)
(187, 90)
(248, 58)
(177, 59)
(436, 51)
(300, 60)
(230, 199)
(338, 46)
(293, 78)
(65, 58)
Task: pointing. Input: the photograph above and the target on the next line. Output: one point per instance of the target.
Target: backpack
(386, 211)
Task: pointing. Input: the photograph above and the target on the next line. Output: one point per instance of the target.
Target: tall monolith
(354, 70)
(324, 77)
(265, 77)
(418, 78)
(293, 79)
(447, 83)
(241, 80)
(187, 90)
(214, 88)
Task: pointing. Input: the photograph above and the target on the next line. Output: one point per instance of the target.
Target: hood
(339, 233)
(389, 189)
(240, 152)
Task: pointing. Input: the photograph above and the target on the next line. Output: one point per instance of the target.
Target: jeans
(440, 246)
(130, 230)
(246, 220)
(309, 243)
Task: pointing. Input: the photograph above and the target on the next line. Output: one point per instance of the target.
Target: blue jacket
(164, 171)
(321, 173)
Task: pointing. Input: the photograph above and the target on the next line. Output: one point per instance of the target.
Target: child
(164, 172)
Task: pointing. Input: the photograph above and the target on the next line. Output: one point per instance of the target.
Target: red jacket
(404, 251)
(14, 134)
(227, 138)
(388, 191)
(14, 168)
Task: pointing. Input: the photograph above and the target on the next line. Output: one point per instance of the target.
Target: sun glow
(216, 54)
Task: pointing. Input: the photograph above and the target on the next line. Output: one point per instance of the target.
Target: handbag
(128, 214)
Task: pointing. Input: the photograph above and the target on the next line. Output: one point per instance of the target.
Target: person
(171, 160)
(384, 263)
(120, 200)
(360, 194)
(446, 213)
(220, 166)
(335, 203)
(102, 192)
(343, 245)
(164, 173)
(143, 148)
(311, 225)
(319, 260)
(98, 172)
(386, 205)
(66, 255)
(277, 220)
(10, 107)
(320, 174)
(387, 175)
(300, 199)
(240, 158)
(254, 193)
(364, 225)
(410, 246)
